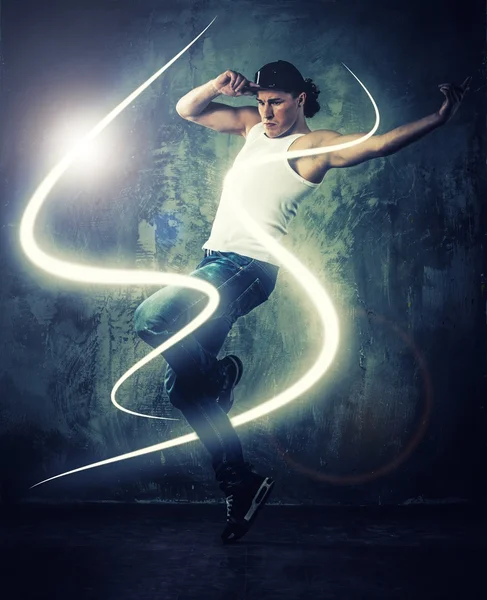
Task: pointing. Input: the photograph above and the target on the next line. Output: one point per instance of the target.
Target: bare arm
(396, 139)
(377, 145)
(197, 106)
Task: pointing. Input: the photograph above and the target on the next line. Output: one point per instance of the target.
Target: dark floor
(173, 552)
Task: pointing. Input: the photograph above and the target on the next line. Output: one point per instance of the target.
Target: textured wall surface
(397, 242)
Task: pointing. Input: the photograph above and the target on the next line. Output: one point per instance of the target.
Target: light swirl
(81, 273)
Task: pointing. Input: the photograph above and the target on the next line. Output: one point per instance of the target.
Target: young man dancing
(242, 270)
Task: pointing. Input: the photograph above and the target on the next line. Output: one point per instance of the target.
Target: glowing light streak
(81, 273)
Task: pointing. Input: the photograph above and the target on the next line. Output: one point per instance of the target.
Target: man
(238, 265)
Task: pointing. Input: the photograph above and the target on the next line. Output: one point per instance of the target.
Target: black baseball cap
(280, 75)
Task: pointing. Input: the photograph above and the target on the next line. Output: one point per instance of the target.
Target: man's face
(278, 111)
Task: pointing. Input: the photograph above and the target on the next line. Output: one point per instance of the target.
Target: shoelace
(229, 501)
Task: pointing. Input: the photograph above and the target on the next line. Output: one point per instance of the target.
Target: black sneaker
(231, 368)
(245, 493)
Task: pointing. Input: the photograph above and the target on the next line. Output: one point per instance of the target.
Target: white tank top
(271, 196)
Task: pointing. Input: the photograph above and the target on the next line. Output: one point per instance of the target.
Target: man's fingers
(243, 88)
(233, 79)
(253, 87)
(461, 88)
(450, 91)
(239, 84)
(248, 91)
(235, 84)
(453, 97)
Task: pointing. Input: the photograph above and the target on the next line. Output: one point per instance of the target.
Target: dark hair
(311, 105)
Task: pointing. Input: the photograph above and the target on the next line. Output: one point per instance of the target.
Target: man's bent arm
(197, 106)
(195, 101)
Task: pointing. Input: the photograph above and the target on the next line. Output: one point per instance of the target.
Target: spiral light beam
(81, 273)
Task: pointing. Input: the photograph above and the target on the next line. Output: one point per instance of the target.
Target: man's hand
(231, 83)
(454, 95)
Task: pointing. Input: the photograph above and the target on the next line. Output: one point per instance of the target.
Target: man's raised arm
(396, 139)
(197, 105)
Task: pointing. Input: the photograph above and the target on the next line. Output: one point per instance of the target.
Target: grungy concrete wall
(399, 417)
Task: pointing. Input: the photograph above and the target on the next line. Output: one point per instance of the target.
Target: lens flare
(69, 134)
(81, 273)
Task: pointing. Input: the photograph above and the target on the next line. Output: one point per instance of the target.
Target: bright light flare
(81, 273)
(89, 153)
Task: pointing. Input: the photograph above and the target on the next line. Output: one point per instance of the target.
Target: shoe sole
(239, 366)
(236, 531)
(259, 499)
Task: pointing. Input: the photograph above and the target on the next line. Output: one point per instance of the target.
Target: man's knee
(146, 327)
(140, 319)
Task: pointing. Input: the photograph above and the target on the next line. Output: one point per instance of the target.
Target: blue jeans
(192, 376)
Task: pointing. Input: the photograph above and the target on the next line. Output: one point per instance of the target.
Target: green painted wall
(397, 242)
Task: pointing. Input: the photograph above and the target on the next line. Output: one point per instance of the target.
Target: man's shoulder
(319, 137)
(252, 118)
